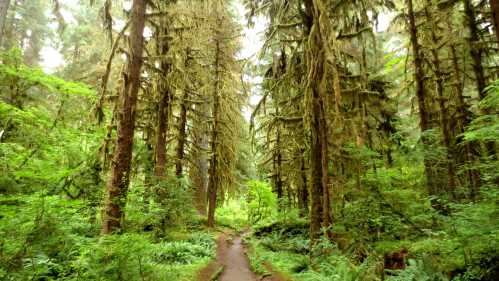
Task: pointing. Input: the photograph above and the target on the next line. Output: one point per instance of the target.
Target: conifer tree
(117, 187)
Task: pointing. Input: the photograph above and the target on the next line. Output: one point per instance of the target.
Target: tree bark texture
(420, 94)
(316, 116)
(164, 107)
(4, 7)
(182, 136)
(494, 7)
(199, 154)
(444, 114)
(117, 187)
(213, 182)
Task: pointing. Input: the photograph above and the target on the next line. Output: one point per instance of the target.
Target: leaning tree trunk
(117, 187)
(494, 7)
(421, 95)
(4, 7)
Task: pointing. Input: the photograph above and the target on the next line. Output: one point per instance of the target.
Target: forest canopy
(249, 140)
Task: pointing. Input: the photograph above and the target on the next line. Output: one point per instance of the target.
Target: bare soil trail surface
(232, 263)
(236, 266)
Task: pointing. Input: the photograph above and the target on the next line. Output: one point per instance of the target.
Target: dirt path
(231, 255)
(232, 263)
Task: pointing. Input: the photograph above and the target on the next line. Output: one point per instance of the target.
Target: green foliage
(232, 214)
(14, 73)
(486, 126)
(36, 239)
(51, 238)
(44, 143)
(135, 257)
(417, 270)
(262, 202)
(485, 129)
(329, 265)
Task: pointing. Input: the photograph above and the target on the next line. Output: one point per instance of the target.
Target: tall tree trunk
(316, 117)
(494, 7)
(182, 126)
(4, 7)
(148, 169)
(182, 136)
(421, 95)
(476, 50)
(213, 182)
(464, 119)
(117, 187)
(278, 166)
(164, 106)
(303, 192)
(444, 114)
(161, 133)
(199, 171)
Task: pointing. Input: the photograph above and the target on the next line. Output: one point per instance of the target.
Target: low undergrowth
(46, 237)
(461, 245)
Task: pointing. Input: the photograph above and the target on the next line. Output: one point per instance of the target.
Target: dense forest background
(358, 142)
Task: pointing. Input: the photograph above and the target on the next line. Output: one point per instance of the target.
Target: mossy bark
(117, 187)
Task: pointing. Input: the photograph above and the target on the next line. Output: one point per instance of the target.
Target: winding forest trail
(233, 263)
(231, 254)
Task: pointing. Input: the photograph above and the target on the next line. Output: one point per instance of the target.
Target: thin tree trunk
(278, 166)
(476, 50)
(421, 95)
(213, 173)
(199, 173)
(161, 133)
(303, 193)
(182, 136)
(464, 120)
(164, 109)
(4, 7)
(494, 7)
(148, 170)
(444, 114)
(117, 187)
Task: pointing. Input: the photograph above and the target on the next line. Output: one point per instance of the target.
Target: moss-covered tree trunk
(4, 7)
(316, 119)
(494, 7)
(182, 136)
(303, 190)
(419, 79)
(117, 186)
(278, 185)
(164, 105)
(444, 113)
(199, 155)
(213, 172)
(464, 118)
(476, 50)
